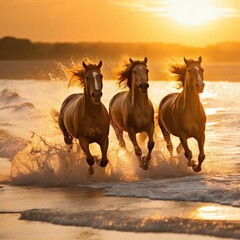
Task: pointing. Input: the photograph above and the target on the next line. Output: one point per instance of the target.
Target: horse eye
(134, 71)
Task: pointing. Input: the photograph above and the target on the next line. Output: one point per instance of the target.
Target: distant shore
(12, 48)
(49, 70)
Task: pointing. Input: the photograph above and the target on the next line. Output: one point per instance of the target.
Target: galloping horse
(83, 116)
(182, 114)
(132, 111)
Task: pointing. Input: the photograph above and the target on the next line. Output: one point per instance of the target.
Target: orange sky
(116, 21)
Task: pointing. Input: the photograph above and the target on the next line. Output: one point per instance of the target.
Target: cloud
(165, 8)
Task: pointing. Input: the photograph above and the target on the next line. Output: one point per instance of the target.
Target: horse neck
(191, 99)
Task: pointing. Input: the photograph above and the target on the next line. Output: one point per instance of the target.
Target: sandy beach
(16, 200)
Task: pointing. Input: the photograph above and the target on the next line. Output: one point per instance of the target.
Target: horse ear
(131, 61)
(145, 60)
(84, 64)
(185, 60)
(100, 64)
(200, 59)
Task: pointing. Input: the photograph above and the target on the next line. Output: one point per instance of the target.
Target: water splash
(44, 163)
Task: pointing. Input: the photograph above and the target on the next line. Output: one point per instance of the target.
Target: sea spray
(47, 163)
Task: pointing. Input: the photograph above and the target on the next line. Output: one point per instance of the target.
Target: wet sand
(13, 229)
(16, 199)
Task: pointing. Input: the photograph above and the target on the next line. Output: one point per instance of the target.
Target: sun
(192, 12)
(187, 12)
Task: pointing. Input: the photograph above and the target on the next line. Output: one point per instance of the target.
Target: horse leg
(68, 139)
(188, 153)
(150, 142)
(119, 133)
(167, 138)
(201, 155)
(179, 148)
(137, 149)
(104, 147)
(84, 143)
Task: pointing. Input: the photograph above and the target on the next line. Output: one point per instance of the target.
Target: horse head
(93, 81)
(140, 75)
(195, 73)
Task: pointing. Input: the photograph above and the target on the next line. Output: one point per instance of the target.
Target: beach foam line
(110, 220)
(201, 188)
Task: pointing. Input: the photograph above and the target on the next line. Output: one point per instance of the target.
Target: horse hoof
(191, 163)
(90, 161)
(143, 163)
(145, 167)
(70, 147)
(122, 145)
(103, 163)
(91, 170)
(196, 168)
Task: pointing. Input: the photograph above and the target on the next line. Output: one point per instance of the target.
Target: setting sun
(192, 12)
(187, 12)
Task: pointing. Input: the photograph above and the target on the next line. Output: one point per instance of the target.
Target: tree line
(12, 48)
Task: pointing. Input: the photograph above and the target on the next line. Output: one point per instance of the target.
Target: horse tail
(55, 115)
(165, 133)
(155, 117)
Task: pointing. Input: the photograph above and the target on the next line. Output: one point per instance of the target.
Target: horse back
(168, 98)
(166, 113)
(69, 99)
(115, 108)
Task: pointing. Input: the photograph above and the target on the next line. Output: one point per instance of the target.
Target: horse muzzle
(199, 88)
(96, 96)
(143, 87)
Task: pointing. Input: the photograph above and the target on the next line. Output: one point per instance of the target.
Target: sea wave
(25, 105)
(7, 96)
(10, 146)
(132, 222)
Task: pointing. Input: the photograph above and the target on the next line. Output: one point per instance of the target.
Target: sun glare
(192, 12)
(187, 12)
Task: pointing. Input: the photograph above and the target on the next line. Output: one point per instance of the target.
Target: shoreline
(38, 230)
(106, 216)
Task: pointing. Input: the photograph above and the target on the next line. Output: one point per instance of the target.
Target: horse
(83, 116)
(132, 111)
(182, 114)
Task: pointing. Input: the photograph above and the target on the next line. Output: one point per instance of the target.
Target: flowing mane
(125, 75)
(76, 75)
(180, 71)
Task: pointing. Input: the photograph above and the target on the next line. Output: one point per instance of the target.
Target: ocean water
(32, 153)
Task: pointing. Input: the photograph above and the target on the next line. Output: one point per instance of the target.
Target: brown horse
(132, 111)
(83, 116)
(182, 114)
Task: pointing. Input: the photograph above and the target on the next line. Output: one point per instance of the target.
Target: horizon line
(115, 42)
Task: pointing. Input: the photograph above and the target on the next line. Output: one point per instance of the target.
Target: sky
(187, 22)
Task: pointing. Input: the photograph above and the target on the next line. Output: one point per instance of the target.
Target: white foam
(132, 222)
(46, 163)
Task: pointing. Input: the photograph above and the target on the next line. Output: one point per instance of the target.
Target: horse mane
(124, 76)
(76, 74)
(180, 71)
